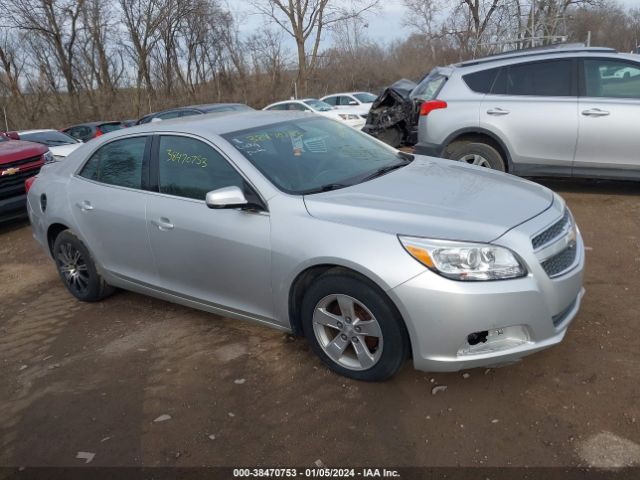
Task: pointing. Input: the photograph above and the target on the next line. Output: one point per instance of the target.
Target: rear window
(552, 78)
(481, 82)
(428, 88)
(110, 127)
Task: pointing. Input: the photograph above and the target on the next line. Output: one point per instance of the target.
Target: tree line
(64, 61)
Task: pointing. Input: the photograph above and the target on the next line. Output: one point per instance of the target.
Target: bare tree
(55, 22)
(141, 19)
(306, 21)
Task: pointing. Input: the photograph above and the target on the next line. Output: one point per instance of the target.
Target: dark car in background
(19, 160)
(194, 110)
(87, 131)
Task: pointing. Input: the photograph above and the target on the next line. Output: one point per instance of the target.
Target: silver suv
(569, 111)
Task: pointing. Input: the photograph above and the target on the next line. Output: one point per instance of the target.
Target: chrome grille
(561, 262)
(553, 232)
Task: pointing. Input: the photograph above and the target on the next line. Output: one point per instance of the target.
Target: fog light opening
(477, 337)
(495, 340)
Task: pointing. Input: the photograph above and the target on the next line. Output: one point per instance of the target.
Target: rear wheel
(391, 136)
(77, 269)
(476, 153)
(354, 328)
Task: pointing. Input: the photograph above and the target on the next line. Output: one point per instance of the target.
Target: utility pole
(533, 23)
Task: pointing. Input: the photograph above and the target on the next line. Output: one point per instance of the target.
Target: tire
(475, 153)
(391, 136)
(374, 328)
(78, 270)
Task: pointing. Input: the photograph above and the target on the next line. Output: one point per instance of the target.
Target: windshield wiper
(384, 170)
(325, 188)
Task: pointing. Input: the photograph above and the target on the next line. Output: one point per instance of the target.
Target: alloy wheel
(347, 332)
(475, 159)
(73, 267)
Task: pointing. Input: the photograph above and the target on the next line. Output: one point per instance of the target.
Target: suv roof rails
(533, 51)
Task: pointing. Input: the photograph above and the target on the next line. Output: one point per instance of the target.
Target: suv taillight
(430, 105)
(28, 182)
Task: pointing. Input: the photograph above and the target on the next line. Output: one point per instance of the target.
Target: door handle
(497, 112)
(85, 206)
(595, 112)
(163, 224)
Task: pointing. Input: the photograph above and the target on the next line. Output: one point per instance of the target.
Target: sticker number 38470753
(185, 158)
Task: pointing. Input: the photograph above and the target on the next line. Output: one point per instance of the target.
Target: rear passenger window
(117, 163)
(190, 168)
(331, 100)
(553, 78)
(481, 82)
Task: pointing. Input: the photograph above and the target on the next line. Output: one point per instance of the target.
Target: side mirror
(353, 102)
(227, 197)
(155, 120)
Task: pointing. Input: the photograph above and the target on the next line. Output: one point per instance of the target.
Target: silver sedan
(309, 226)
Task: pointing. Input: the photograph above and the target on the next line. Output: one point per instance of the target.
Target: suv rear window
(549, 78)
(481, 82)
(428, 88)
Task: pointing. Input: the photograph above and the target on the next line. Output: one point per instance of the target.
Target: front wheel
(77, 269)
(354, 328)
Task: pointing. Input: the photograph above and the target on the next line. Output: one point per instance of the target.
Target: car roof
(203, 107)
(345, 93)
(44, 130)
(515, 56)
(217, 123)
(92, 124)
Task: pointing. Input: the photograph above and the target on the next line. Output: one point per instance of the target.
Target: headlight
(348, 116)
(464, 261)
(48, 157)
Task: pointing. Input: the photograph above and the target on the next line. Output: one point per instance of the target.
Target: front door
(221, 257)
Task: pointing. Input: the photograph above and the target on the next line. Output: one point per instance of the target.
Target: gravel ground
(135, 381)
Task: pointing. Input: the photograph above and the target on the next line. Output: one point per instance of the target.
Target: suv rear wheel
(475, 153)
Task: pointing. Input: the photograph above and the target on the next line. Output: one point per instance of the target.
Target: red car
(19, 160)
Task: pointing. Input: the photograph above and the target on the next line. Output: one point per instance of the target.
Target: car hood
(14, 150)
(437, 199)
(64, 150)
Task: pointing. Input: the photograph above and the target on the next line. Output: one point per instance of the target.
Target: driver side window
(190, 168)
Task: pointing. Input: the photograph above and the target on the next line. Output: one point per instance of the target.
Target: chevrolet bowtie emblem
(10, 171)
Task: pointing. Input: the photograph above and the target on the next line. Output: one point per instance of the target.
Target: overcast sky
(385, 25)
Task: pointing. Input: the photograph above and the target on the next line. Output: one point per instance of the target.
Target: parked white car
(60, 144)
(313, 105)
(359, 101)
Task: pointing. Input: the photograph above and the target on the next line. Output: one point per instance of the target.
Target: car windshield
(110, 127)
(305, 156)
(3, 139)
(365, 97)
(318, 105)
(50, 138)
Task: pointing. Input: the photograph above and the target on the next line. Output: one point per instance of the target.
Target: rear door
(533, 108)
(609, 116)
(221, 257)
(108, 204)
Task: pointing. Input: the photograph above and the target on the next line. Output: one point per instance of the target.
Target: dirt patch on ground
(94, 377)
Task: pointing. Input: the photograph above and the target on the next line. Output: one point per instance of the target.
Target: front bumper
(13, 207)
(522, 316)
